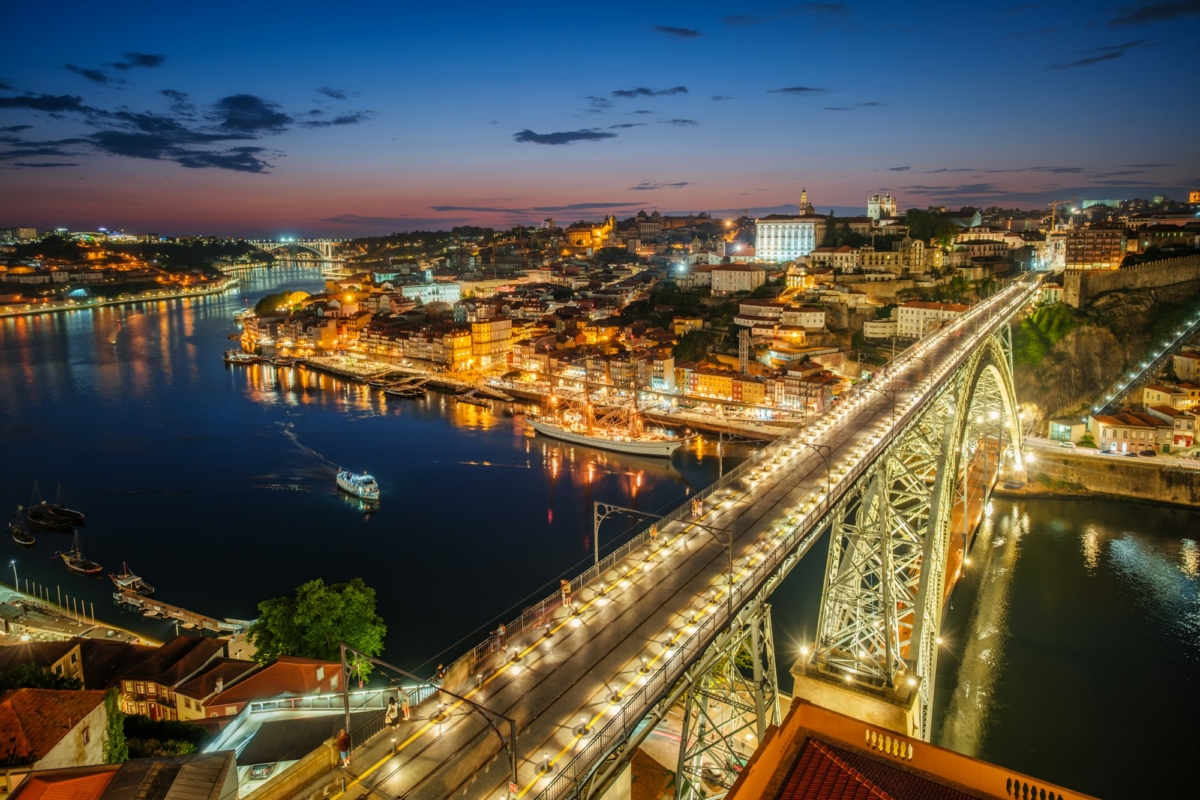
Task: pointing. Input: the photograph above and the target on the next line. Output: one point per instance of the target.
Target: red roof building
(286, 675)
(817, 754)
(47, 728)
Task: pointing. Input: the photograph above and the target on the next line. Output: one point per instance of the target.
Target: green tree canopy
(271, 303)
(31, 676)
(317, 620)
(694, 345)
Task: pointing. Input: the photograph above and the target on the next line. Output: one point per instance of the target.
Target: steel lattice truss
(881, 607)
(735, 696)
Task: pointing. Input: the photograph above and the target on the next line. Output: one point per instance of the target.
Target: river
(1070, 648)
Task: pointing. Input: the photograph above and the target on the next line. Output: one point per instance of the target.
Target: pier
(187, 619)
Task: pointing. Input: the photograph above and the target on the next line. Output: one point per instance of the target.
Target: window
(86, 733)
(74, 657)
(320, 673)
(58, 669)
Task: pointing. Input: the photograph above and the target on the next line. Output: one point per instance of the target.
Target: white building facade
(917, 318)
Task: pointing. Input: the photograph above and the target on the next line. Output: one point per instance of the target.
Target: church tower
(805, 207)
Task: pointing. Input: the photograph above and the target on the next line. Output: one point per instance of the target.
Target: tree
(115, 748)
(1087, 440)
(317, 620)
(694, 345)
(32, 676)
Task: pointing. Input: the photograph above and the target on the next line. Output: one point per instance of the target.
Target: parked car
(1149, 453)
(1131, 454)
(1068, 445)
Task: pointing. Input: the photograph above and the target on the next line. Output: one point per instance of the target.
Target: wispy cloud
(855, 107)
(45, 102)
(562, 137)
(360, 221)
(628, 125)
(1154, 11)
(829, 10)
(721, 97)
(1099, 54)
(353, 118)
(649, 186)
(96, 76)
(797, 90)
(1149, 166)
(682, 123)
(143, 60)
(329, 91)
(1119, 172)
(46, 164)
(572, 207)
(679, 33)
(898, 169)
(642, 91)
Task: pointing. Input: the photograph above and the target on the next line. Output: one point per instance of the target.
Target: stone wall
(1080, 286)
(1155, 479)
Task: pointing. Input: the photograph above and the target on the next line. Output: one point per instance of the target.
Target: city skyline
(375, 121)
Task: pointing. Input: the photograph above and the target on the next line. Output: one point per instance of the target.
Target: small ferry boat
(76, 561)
(128, 582)
(358, 484)
(407, 392)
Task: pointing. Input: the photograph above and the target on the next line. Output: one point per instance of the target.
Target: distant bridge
(325, 249)
(898, 474)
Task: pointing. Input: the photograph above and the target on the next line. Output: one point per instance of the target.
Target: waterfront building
(491, 341)
(918, 317)
(1126, 431)
(880, 328)
(1182, 432)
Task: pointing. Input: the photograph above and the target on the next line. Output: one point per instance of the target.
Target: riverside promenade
(29, 309)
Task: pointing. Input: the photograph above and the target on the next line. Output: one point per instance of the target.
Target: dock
(187, 619)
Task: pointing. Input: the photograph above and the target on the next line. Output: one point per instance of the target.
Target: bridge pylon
(727, 706)
(895, 536)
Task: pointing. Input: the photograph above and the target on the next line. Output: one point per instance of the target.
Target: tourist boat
(20, 532)
(239, 357)
(358, 484)
(408, 392)
(76, 561)
(128, 582)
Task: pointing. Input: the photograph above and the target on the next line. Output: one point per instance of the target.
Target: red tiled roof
(71, 786)
(284, 675)
(42, 654)
(176, 660)
(226, 669)
(825, 772)
(33, 721)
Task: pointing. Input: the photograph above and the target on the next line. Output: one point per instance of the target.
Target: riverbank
(26, 617)
(1115, 477)
(29, 309)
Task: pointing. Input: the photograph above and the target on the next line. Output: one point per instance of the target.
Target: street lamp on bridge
(602, 511)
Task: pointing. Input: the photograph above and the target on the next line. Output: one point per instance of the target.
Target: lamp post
(821, 450)
(16, 581)
(601, 511)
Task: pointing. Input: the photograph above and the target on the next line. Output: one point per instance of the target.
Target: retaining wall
(1150, 479)
(1081, 285)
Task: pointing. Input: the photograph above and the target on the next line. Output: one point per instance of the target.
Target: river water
(1073, 637)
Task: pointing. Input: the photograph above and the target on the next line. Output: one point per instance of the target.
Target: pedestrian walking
(501, 631)
(441, 673)
(343, 744)
(404, 705)
(392, 715)
(564, 587)
(653, 535)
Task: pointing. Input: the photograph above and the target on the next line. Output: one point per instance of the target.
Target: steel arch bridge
(325, 249)
(678, 617)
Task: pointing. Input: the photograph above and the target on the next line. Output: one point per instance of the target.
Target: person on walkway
(501, 631)
(404, 704)
(564, 587)
(653, 535)
(343, 744)
(441, 673)
(392, 715)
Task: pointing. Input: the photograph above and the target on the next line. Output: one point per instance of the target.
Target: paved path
(567, 682)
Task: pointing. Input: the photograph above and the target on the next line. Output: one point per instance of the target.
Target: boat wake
(287, 487)
(288, 431)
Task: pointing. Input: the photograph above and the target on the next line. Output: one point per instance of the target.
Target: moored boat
(608, 439)
(239, 357)
(20, 532)
(76, 561)
(470, 398)
(126, 581)
(358, 484)
(43, 516)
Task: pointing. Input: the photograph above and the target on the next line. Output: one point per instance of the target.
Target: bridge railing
(658, 683)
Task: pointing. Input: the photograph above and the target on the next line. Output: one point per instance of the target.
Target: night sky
(355, 118)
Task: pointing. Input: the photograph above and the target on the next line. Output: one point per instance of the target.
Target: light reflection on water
(1080, 625)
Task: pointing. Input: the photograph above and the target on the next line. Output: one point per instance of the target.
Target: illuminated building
(782, 237)
(881, 206)
(1095, 248)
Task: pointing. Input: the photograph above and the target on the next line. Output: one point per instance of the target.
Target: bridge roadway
(639, 622)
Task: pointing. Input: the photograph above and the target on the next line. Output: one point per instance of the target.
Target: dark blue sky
(353, 118)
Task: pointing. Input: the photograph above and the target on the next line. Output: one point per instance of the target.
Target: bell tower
(803, 202)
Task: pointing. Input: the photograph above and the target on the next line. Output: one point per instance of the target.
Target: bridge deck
(643, 608)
